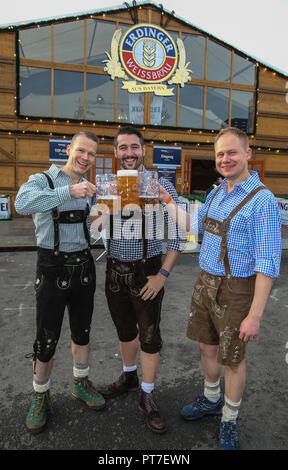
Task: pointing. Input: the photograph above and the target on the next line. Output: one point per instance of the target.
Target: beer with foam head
(128, 188)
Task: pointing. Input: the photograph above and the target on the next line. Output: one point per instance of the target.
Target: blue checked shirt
(36, 198)
(127, 242)
(254, 236)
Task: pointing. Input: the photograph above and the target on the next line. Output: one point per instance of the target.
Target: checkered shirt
(254, 236)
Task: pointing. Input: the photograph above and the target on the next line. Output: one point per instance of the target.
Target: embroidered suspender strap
(55, 217)
(206, 215)
(67, 217)
(145, 241)
(85, 228)
(110, 234)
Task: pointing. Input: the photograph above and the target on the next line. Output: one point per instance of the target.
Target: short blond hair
(90, 135)
(242, 136)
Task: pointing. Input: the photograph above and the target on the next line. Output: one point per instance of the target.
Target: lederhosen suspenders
(216, 227)
(126, 217)
(67, 217)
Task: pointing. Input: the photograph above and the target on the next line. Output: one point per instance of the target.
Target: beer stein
(148, 188)
(128, 188)
(107, 193)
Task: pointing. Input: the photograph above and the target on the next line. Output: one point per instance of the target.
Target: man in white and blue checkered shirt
(59, 201)
(135, 283)
(240, 256)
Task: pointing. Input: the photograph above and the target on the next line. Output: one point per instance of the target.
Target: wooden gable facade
(49, 90)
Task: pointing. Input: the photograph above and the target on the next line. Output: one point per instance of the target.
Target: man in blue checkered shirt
(135, 285)
(240, 255)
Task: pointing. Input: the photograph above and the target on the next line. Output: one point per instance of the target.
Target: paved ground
(263, 420)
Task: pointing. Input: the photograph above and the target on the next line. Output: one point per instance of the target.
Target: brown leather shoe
(127, 382)
(154, 420)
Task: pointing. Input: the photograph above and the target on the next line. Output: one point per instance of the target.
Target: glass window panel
(69, 42)
(217, 108)
(191, 107)
(99, 37)
(35, 43)
(195, 54)
(35, 92)
(130, 106)
(219, 62)
(99, 97)
(108, 162)
(99, 171)
(242, 110)
(163, 109)
(243, 71)
(99, 162)
(68, 94)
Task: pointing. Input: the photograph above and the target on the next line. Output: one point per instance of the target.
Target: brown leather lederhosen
(124, 281)
(220, 303)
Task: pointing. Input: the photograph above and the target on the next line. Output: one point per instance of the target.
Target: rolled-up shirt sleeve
(36, 196)
(265, 233)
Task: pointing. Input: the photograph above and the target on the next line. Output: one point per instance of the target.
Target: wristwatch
(164, 272)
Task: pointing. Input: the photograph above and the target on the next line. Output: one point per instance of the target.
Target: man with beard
(59, 201)
(135, 287)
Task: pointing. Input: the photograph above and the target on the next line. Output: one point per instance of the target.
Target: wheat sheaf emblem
(149, 53)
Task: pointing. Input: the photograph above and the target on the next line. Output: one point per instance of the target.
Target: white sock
(147, 387)
(41, 386)
(212, 390)
(129, 368)
(80, 370)
(230, 410)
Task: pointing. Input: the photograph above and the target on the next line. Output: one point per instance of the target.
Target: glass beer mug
(107, 193)
(128, 188)
(148, 188)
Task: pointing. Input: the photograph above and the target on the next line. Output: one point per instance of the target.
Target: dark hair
(236, 131)
(88, 134)
(130, 131)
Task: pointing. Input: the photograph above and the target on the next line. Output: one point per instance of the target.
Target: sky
(256, 27)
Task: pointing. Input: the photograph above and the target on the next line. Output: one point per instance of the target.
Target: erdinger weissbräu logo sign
(147, 54)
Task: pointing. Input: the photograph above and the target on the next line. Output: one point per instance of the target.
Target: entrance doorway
(203, 174)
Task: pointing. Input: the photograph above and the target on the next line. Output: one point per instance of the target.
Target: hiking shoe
(84, 390)
(127, 382)
(202, 407)
(37, 416)
(228, 436)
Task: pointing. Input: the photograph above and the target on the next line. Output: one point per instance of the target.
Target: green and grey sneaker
(84, 390)
(37, 415)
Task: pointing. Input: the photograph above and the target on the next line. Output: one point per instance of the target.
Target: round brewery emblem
(148, 53)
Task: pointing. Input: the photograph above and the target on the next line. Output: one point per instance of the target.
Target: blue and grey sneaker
(202, 407)
(228, 436)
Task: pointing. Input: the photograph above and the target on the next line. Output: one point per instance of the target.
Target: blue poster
(168, 173)
(167, 156)
(57, 150)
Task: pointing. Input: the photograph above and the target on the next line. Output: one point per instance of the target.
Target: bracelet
(164, 272)
(168, 200)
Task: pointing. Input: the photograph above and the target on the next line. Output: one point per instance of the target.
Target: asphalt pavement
(263, 423)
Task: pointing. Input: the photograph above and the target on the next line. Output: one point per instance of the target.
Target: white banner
(283, 206)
